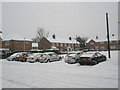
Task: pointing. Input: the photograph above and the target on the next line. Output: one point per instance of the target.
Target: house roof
(103, 39)
(15, 37)
(61, 40)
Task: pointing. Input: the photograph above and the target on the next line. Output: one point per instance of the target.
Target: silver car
(49, 57)
(34, 57)
(72, 57)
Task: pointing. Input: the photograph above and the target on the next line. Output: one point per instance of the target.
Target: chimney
(53, 36)
(112, 34)
(70, 38)
(96, 37)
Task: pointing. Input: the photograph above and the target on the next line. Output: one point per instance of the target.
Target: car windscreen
(87, 55)
(71, 54)
(15, 54)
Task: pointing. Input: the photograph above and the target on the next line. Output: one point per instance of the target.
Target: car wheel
(48, 60)
(13, 59)
(105, 59)
(25, 60)
(36, 60)
(94, 62)
(81, 63)
(59, 58)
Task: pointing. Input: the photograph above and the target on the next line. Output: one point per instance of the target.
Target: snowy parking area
(60, 74)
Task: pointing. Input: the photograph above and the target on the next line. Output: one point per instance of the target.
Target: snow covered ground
(60, 75)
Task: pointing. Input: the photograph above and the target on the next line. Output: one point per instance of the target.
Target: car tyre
(36, 60)
(48, 60)
(13, 59)
(81, 63)
(94, 62)
(59, 58)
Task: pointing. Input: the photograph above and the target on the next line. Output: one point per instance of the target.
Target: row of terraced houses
(63, 45)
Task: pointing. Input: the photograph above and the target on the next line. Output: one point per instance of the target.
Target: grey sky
(60, 18)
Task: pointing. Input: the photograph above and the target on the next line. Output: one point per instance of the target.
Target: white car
(49, 57)
(72, 57)
(14, 56)
(34, 57)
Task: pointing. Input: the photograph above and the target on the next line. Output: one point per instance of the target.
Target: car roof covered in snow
(75, 52)
(48, 52)
(87, 55)
(34, 54)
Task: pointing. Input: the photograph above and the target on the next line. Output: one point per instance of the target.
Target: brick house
(98, 44)
(62, 45)
(17, 45)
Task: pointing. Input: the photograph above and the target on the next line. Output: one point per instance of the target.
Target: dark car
(91, 58)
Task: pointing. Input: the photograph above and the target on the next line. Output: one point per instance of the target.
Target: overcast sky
(64, 19)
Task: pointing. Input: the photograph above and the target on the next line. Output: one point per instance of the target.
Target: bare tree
(82, 41)
(40, 34)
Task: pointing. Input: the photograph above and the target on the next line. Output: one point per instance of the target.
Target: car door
(38, 57)
(99, 57)
(54, 56)
(18, 56)
(96, 57)
(51, 57)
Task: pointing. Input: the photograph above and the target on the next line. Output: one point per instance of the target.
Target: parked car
(23, 58)
(34, 57)
(15, 56)
(91, 58)
(4, 53)
(49, 57)
(72, 57)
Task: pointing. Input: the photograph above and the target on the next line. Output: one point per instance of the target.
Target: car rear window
(87, 55)
(71, 54)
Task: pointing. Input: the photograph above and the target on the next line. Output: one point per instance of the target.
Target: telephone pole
(108, 35)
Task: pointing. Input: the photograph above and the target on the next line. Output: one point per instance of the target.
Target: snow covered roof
(34, 44)
(15, 37)
(75, 52)
(61, 40)
(103, 39)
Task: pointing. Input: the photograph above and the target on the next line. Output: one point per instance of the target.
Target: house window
(96, 47)
(17, 41)
(53, 44)
(101, 42)
(57, 44)
(110, 41)
(7, 43)
(61, 44)
(27, 42)
(102, 48)
(113, 47)
(65, 44)
(91, 43)
(118, 47)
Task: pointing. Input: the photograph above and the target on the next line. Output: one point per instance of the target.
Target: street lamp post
(108, 35)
